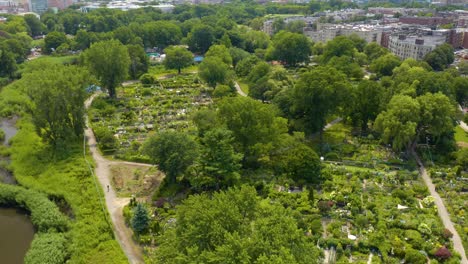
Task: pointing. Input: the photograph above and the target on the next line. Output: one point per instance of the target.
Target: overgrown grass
(90, 239)
(460, 135)
(159, 70)
(244, 86)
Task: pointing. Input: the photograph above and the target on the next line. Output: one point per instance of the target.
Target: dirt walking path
(442, 210)
(239, 90)
(114, 204)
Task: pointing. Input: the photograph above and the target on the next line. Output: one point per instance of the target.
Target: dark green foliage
(244, 67)
(53, 40)
(139, 62)
(414, 256)
(177, 58)
(383, 66)
(219, 162)
(213, 71)
(140, 219)
(109, 62)
(200, 38)
(45, 215)
(7, 64)
(147, 79)
(367, 99)
(234, 227)
(254, 125)
(35, 25)
(440, 57)
(57, 95)
(317, 93)
(290, 48)
(339, 46)
(47, 248)
(106, 140)
(172, 151)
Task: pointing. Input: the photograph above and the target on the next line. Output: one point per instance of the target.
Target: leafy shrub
(47, 248)
(2, 135)
(140, 219)
(443, 253)
(106, 140)
(415, 257)
(332, 156)
(147, 79)
(44, 214)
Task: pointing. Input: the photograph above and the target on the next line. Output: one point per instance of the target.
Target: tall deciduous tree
(440, 57)
(173, 151)
(177, 58)
(291, 48)
(255, 126)
(339, 46)
(407, 119)
(366, 102)
(317, 94)
(221, 52)
(53, 40)
(220, 163)
(57, 94)
(139, 62)
(383, 66)
(7, 63)
(213, 71)
(234, 226)
(109, 62)
(200, 38)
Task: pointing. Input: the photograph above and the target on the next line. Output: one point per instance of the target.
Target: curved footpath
(442, 210)
(114, 204)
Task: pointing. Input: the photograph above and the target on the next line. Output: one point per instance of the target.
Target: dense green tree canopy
(407, 119)
(317, 94)
(172, 151)
(234, 226)
(384, 65)
(57, 94)
(365, 104)
(200, 38)
(53, 40)
(219, 162)
(339, 46)
(177, 58)
(139, 62)
(109, 62)
(290, 48)
(254, 125)
(440, 57)
(213, 71)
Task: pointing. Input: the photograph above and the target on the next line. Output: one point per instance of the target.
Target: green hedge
(45, 216)
(48, 246)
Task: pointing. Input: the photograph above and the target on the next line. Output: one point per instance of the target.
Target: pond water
(8, 126)
(16, 234)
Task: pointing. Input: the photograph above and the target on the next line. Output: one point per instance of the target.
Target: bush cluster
(48, 245)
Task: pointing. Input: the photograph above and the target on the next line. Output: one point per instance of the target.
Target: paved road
(114, 204)
(442, 210)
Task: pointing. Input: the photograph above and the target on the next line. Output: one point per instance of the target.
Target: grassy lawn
(461, 135)
(159, 70)
(244, 87)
